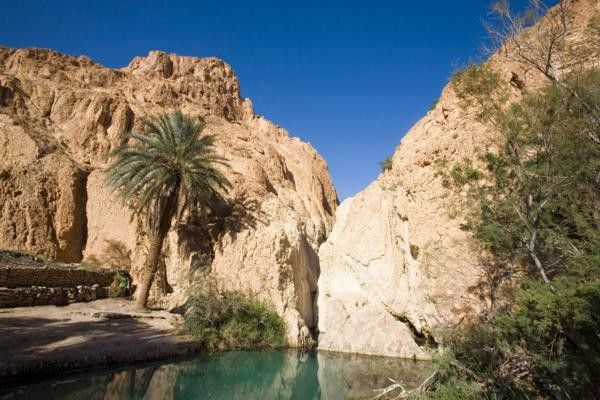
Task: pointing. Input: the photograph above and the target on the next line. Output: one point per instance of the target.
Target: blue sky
(350, 77)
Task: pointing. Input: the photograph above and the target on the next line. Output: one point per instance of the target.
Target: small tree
(167, 171)
(386, 164)
(537, 211)
(545, 158)
(537, 38)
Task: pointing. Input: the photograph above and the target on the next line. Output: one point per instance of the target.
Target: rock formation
(396, 268)
(61, 116)
(393, 272)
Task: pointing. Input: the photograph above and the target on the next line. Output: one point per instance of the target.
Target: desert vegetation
(231, 320)
(168, 171)
(386, 164)
(533, 208)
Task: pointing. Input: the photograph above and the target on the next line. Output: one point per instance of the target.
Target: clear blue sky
(350, 77)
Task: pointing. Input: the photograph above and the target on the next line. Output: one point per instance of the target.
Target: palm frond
(171, 158)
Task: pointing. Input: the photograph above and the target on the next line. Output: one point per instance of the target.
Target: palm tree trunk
(165, 211)
(156, 242)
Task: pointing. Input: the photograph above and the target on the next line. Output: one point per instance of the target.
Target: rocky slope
(397, 268)
(60, 117)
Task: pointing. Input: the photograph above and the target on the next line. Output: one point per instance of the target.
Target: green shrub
(414, 251)
(464, 172)
(85, 265)
(548, 342)
(449, 384)
(233, 321)
(459, 175)
(475, 80)
(453, 389)
(477, 85)
(120, 286)
(386, 164)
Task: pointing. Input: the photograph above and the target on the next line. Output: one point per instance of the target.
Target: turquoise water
(240, 375)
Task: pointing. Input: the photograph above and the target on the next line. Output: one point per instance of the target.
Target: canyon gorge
(383, 273)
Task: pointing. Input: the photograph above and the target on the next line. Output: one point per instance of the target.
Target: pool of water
(247, 375)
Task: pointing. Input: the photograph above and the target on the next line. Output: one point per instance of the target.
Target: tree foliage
(478, 86)
(534, 211)
(535, 206)
(170, 164)
(230, 320)
(541, 199)
(168, 171)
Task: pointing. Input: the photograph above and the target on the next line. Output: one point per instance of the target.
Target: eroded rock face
(42, 195)
(61, 116)
(397, 268)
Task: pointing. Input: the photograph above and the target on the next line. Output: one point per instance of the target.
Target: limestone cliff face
(60, 117)
(396, 265)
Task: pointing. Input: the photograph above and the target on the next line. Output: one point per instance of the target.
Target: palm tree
(164, 173)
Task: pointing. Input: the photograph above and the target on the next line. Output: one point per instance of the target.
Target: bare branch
(423, 387)
(534, 38)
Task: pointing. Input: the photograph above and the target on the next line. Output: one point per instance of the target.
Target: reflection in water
(283, 374)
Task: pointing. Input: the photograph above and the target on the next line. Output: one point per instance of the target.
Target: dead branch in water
(423, 387)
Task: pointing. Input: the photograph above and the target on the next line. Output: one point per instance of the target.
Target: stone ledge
(57, 296)
(23, 276)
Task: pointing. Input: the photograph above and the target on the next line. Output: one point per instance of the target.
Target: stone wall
(22, 286)
(44, 296)
(14, 277)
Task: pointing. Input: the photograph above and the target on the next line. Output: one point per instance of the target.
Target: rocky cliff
(397, 269)
(60, 117)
